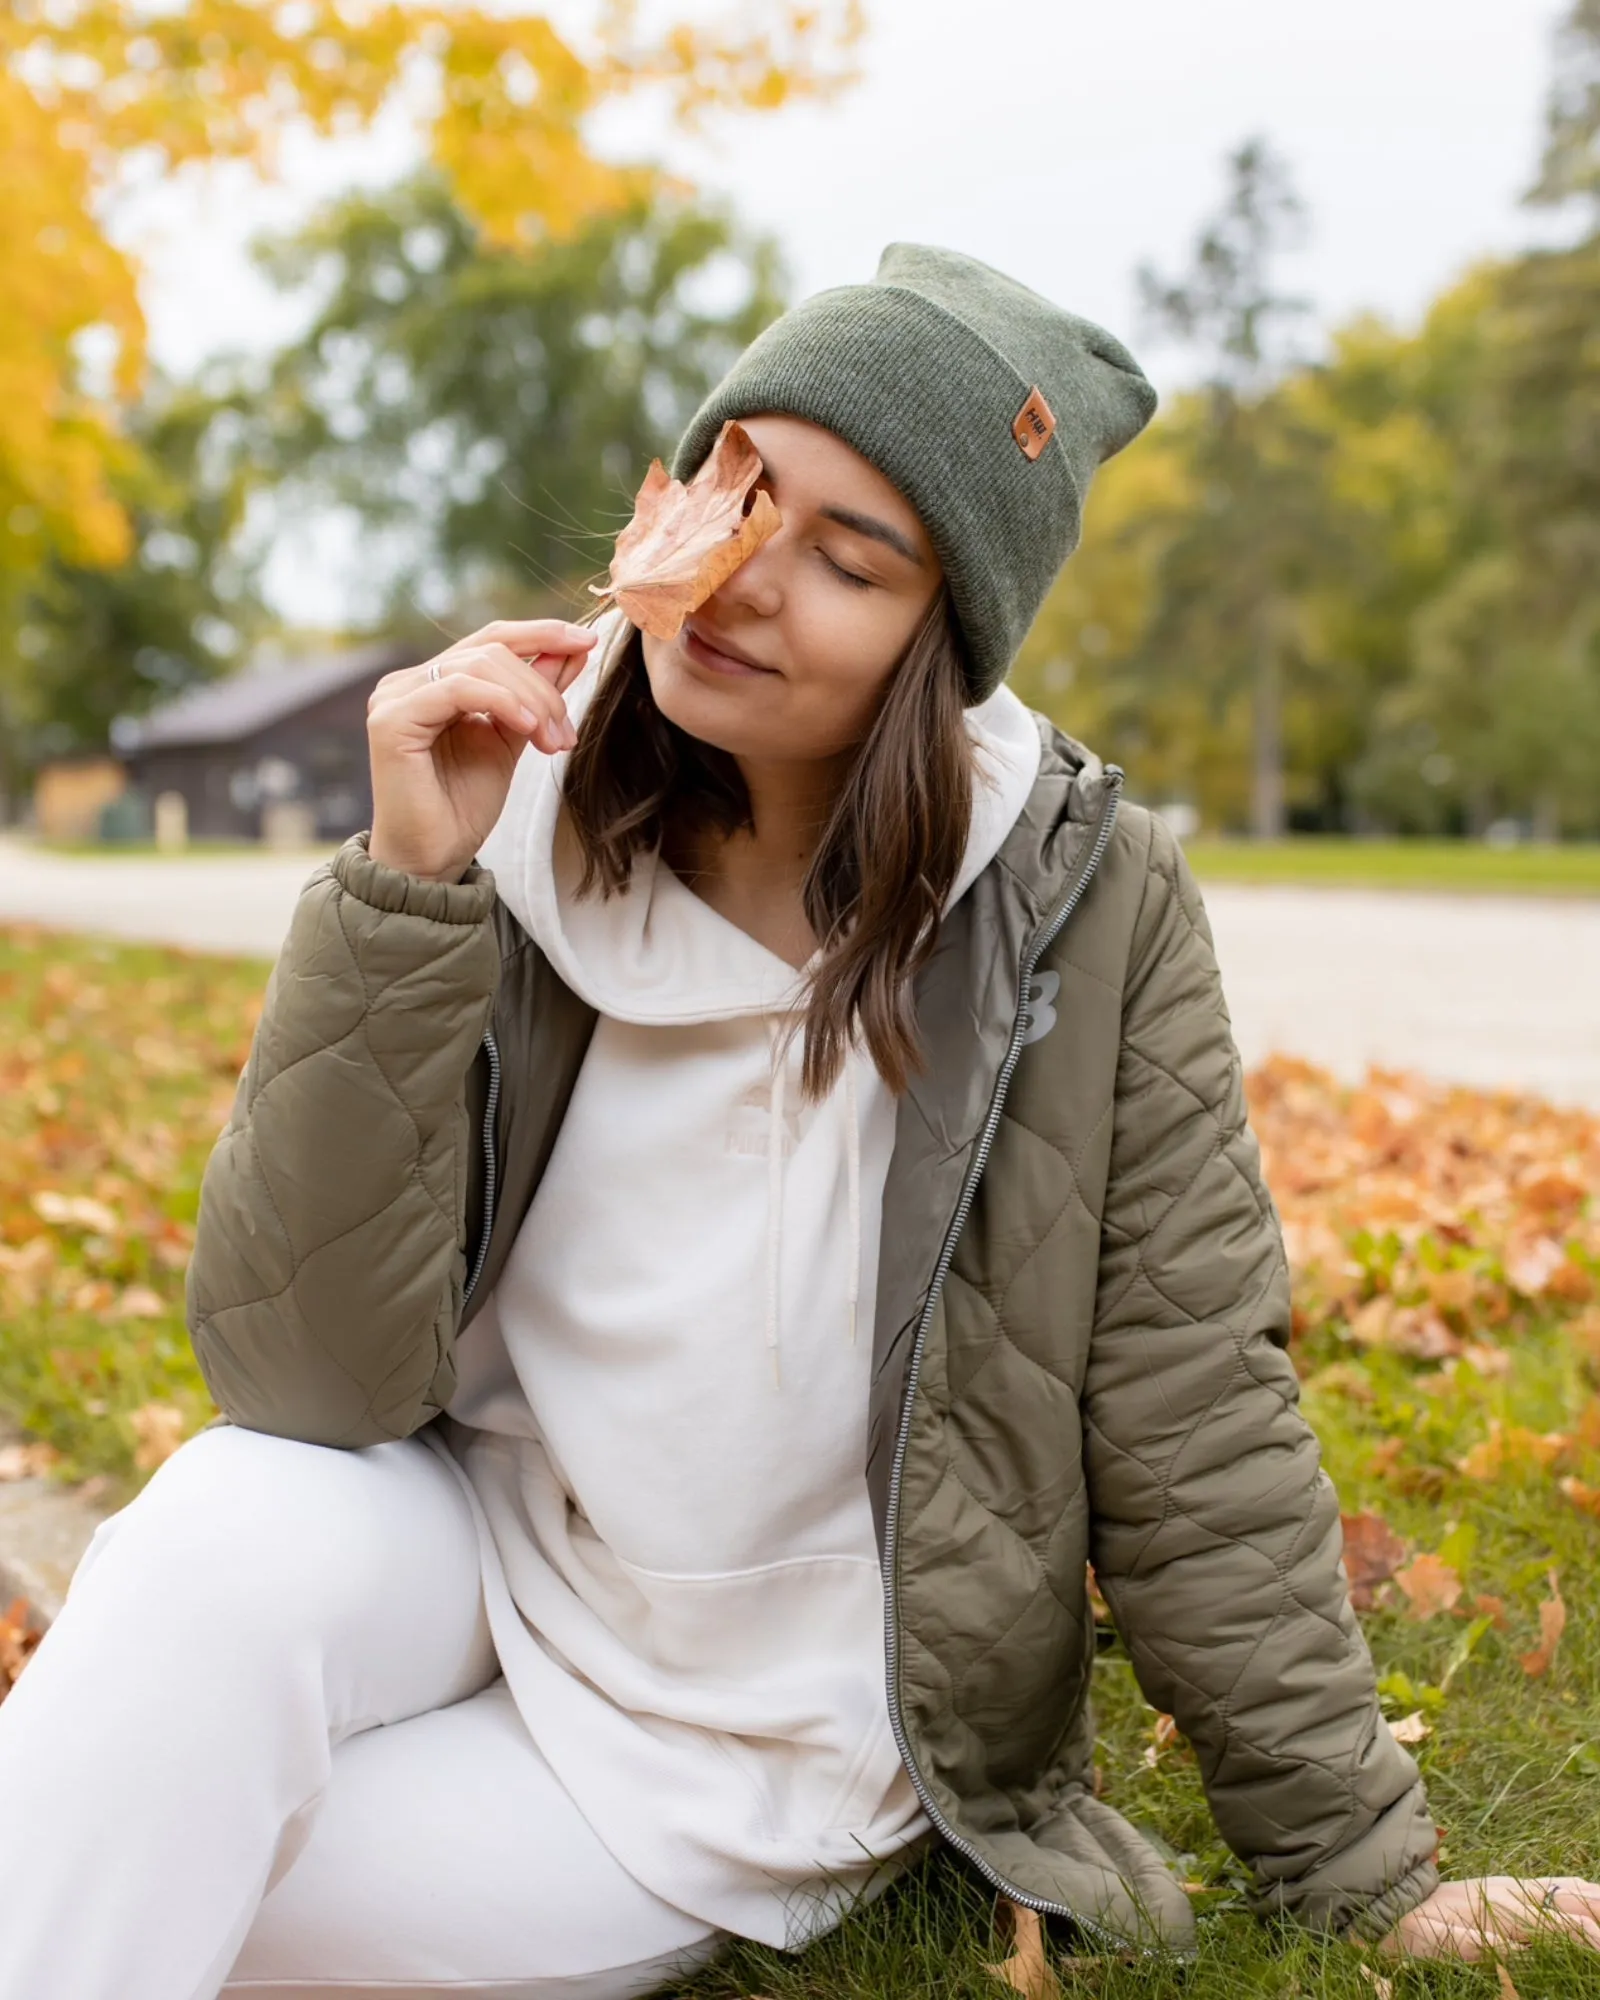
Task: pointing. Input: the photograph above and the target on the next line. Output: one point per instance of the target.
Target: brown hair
(883, 868)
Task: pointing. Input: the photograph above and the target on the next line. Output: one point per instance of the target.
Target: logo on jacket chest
(1040, 1014)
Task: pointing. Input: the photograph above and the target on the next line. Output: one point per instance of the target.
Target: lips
(710, 641)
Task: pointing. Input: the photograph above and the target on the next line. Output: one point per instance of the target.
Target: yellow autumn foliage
(504, 99)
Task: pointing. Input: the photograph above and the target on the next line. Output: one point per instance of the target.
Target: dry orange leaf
(684, 542)
(18, 1640)
(30, 1460)
(1163, 1735)
(1552, 1623)
(1581, 1495)
(1511, 1444)
(158, 1427)
(1027, 1969)
(1503, 1979)
(1372, 1554)
(1429, 1587)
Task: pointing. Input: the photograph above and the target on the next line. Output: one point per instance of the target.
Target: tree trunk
(1267, 715)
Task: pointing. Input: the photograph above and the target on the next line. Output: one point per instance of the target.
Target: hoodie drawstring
(852, 1174)
(852, 1167)
(774, 1201)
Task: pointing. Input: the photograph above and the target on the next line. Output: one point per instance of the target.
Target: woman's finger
(528, 636)
(432, 706)
(497, 663)
(532, 681)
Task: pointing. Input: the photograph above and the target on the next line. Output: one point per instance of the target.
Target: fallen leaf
(1372, 1554)
(1413, 1728)
(158, 1428)
(1386, 1458)
(1507, 1985)
(1429, 1586)
(1552, 1623)
(684, 542)
(1586, 1497)
(1530, 1264)
(76, 1211)
(1163, 1735)
(1492, 1608)
(18, 1642)
(138, 1302)
(26, 1461)
(1510, 1444)
(1383, 1988)
(1027, 1969)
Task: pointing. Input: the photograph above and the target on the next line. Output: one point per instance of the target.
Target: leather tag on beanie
(1035, 424)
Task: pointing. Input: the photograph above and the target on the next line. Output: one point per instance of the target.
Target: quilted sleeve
(325, 1286)
(1216, 1536)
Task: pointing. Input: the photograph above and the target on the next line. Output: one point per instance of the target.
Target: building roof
(231, 710)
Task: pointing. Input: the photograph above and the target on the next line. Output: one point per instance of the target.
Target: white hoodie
(661, 1410)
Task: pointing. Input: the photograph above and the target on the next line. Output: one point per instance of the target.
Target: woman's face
(790, 658)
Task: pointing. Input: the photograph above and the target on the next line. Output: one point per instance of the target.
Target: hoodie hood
(658, 954)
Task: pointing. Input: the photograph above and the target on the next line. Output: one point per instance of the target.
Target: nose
(756, 586)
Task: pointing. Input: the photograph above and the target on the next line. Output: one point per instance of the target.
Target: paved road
(1491, 990)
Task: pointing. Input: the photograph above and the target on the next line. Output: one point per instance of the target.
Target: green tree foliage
(1365, 593)
(93, 642)
(488, 414)
(484, 414)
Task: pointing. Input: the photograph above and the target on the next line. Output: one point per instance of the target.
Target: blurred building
(70, 795)
(277, 752)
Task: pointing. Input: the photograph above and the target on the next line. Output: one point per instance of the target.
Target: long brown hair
(883, 868)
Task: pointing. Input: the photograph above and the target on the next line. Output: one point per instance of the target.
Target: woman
(814, 1154)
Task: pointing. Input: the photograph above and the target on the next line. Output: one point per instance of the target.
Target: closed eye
(848, 575)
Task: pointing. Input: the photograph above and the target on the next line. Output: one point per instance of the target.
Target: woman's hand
(444, 745)
(1496, 1912)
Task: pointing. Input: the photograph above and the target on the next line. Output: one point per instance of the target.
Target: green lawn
(117, 1065)
(1468, 867)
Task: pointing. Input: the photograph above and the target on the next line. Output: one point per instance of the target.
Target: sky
(1066, 143)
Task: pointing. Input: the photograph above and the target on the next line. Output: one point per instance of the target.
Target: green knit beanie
(985, 405)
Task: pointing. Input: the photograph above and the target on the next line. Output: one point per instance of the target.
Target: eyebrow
(875, 530)
(858, 524)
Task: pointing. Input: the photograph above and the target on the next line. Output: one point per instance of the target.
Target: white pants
(265, 1749)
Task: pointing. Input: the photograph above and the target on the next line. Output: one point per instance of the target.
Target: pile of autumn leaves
(1425, 1219)
(1434, 1221)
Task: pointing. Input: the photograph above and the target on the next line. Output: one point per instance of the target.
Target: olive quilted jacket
(1080, 1328)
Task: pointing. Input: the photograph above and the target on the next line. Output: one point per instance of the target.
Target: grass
(1513, 1763)
(117, 1069)
(1464, 866)
(117, 1066)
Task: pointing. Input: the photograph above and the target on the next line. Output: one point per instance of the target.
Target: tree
(1226, 619)
(97, 93)
(487, 414)
(1570, 168)
(100, 640)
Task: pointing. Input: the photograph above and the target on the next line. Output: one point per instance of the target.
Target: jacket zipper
(1045, 938)
(489, 1167)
